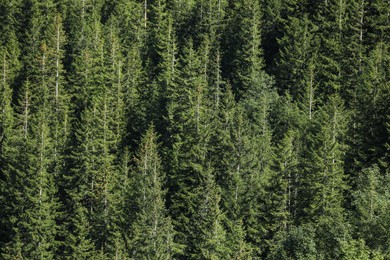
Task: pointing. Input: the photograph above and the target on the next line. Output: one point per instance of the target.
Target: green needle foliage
(197, 129)
(152, 234)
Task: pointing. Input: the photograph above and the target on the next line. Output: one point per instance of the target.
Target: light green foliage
(371, 200)
(298, 243)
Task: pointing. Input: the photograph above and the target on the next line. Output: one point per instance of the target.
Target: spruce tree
(377, 23)
(232, 159)
(31, 189)
(324, 181)
(152, 232)
(368, 134)
(372, 208)
(10, 67)
(57, 90)
(36, 209)
(246, 54)
(189, 169)
(206, 235)
(331, 21)
(297, 62)
(98, 122)
(282, 188)
(354, 48)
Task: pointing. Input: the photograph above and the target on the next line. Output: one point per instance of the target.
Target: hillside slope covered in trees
(194, 129)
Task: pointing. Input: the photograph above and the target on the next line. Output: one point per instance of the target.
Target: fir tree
(231, 160)
(368, 134)
(372, 208)
(332, 23)
(297, 62)
(324, 182)
(247, 59)
(152, 232)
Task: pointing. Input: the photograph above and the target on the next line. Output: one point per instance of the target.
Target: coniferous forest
(194, 129)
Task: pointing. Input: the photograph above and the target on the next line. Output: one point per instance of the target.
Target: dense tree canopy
(198, 129)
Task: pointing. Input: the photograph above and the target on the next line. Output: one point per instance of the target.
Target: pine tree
(368, 134)
(231, 160)
(372, 208)
(246, 56)
(331, 21)
(189, 170)
(324, 182)
(297, 63)
(10, 67)
(152, 232)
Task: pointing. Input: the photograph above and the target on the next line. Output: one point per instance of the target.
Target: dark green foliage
(298, 243)
(152, 232)
(192, 183)
(297, 62)
(369, 132)
(270, 134)
(324, 180)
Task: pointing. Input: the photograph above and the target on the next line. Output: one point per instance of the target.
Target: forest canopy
(194, 129)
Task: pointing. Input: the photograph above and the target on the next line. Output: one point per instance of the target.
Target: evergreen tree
(189, 168)
(246, 54)
(78, 243)
(324, 183)
(58, 104)
(377, 22)
(295, 167)
(36, 209)
(331, 21)
(97, 126)
(282, 189)
(232, 160)
(137, 97)
(297, 62)
(256, 181)
(206, 235)
(368, 134)
(10, 68)
(152, 232)
(297, 243)
(31, 187)
(372, 209)
(354, 48)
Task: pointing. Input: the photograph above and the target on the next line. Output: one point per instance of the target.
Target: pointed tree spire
(152, 232)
